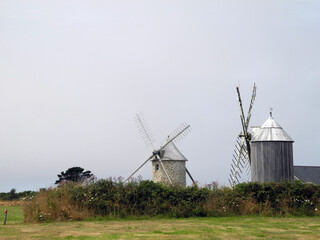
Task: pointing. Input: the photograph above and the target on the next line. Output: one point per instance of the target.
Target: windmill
(266, 152)
(168, 163)
(241, 160)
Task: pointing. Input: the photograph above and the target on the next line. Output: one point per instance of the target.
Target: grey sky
(74, 73)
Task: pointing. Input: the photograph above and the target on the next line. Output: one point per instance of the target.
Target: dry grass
(249, 207)
(50, 205)
(10, 203)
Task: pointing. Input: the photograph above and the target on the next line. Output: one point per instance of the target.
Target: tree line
(13, 195)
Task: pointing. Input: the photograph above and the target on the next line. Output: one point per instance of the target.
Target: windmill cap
(270, 131)
(171, 153)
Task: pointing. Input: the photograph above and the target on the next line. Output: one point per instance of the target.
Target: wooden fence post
(5, 217)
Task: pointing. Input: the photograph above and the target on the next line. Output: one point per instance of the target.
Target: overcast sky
(73, 74)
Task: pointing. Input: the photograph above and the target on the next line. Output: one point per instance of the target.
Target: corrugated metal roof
(254, 130)
(171, 152)
(307, 173)
(270, 131)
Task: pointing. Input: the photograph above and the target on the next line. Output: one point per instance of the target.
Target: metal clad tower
(271, 153)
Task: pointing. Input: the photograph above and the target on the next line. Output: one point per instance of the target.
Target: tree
(13, 194)
(74, 174)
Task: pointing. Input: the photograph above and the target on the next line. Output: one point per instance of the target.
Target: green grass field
(191, 228)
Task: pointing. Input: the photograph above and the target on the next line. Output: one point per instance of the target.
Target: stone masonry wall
(175, 169)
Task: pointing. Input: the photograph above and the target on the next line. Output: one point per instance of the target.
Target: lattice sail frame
(144, 130)
(241, 160)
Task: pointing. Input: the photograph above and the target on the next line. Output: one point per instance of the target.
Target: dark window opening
(157, 167)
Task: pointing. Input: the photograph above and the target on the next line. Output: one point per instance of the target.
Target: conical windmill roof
(270, 131)
(171, 152)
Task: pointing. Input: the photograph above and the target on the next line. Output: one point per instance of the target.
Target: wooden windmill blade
(243, 123)
(189, 174)
(147, 137)
(164, 169)
(140, 167)
(247, 135)
(144, 130)
(253, 97)
(242, 158)
(177, 134)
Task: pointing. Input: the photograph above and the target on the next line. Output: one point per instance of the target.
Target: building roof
(171, 152)
(270, 131)
(307, 173)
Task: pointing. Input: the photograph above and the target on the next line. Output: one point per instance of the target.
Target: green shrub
(145, 198)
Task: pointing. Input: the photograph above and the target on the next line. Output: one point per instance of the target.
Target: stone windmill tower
(168, 163)
(173, 162)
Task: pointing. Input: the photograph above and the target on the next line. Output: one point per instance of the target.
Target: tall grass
(144, 198)
(54, 204)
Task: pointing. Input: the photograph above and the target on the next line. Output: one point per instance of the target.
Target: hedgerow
(114, 198)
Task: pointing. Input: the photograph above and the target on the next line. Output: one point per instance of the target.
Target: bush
(145, 198)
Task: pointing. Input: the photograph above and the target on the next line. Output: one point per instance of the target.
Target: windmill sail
(242, 158)
(144, 130)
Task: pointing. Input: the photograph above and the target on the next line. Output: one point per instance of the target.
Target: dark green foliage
(13, 195)
(107, 197)
(74, 174)
(114, 198)
(284, 198)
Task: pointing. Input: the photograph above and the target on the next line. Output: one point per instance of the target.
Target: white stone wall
(175, 169)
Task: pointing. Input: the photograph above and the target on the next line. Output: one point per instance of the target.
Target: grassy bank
(167, 228)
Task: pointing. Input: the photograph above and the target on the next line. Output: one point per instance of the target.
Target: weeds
(54, 204)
